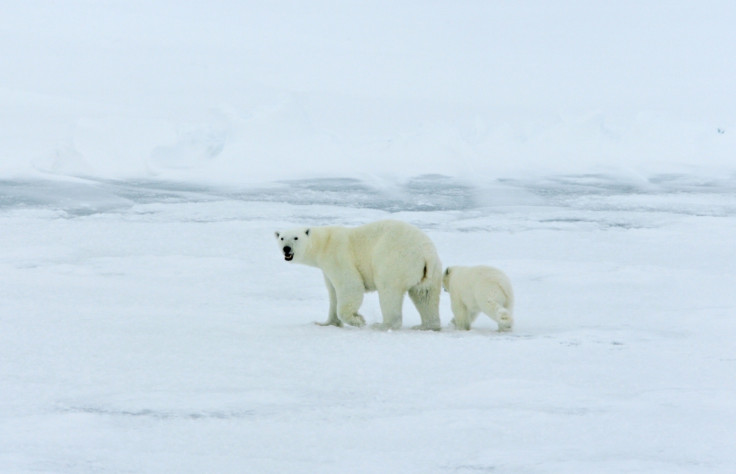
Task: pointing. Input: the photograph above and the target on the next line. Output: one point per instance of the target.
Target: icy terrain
(149, 150)
(148, 327)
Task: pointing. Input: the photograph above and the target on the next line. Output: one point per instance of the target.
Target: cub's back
(479, 277)
(487, 276)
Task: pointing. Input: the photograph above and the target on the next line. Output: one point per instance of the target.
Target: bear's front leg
(349, 298)
(348, 313)
(332, 319)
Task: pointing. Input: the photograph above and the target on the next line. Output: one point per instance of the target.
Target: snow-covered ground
(149, 150)
(148, 327)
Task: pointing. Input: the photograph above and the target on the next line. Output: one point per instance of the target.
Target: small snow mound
(63, 160)
(196, 144)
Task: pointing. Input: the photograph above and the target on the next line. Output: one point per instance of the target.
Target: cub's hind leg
(498, 313)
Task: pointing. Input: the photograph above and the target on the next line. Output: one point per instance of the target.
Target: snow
(148, 327)
(150, 150)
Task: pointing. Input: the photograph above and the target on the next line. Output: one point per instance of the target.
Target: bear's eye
(282, 238)
(296, 238)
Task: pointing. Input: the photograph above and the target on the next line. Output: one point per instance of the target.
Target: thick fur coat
(479, 289)
(390, 257)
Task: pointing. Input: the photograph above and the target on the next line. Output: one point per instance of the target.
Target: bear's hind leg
(391, 301)
(505, 320)
(427, 301)
(498, 313)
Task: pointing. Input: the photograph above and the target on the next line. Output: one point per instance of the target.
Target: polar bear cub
(479, 289)
(388, 256)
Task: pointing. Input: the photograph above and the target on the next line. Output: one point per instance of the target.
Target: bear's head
(446, 279)
(293, 243)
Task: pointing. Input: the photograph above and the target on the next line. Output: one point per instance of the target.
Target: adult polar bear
(388, 256)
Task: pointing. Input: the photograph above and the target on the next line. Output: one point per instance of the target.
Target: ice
(166, 333)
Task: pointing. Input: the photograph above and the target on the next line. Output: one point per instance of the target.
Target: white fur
(390, 257)
(479, 289)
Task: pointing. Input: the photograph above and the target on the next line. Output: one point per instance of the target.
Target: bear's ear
(277, 234)
(306, 231)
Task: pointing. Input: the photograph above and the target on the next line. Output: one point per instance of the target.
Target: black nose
(287, 249)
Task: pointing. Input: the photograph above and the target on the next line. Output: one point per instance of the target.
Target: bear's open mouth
(288, 256)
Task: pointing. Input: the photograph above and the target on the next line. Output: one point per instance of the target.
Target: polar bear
(388, 256)
(476, 289)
